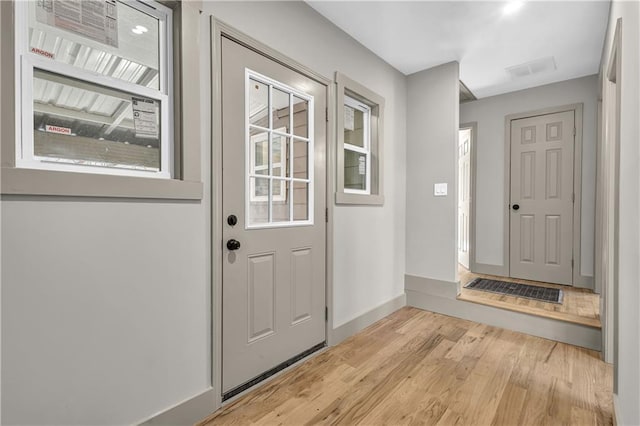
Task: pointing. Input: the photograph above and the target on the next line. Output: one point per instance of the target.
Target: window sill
(359, 199)
(17, 181)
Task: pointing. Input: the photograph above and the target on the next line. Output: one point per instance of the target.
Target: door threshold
(243, 387)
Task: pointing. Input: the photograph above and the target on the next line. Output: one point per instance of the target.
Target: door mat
(544, 294)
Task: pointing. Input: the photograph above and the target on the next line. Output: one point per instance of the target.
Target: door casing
(217, 31)
(578, 279)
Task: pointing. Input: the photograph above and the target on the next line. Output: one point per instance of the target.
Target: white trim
(359, 323)
(249, 167)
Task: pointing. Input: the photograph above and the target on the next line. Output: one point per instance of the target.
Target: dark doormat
(544, 294)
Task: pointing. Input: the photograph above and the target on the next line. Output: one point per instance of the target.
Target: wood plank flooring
(580, 306)
(418, 367)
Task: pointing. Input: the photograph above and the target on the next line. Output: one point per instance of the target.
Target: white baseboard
(363, 321)
(186, 413)
(584, 281)
(446, 289)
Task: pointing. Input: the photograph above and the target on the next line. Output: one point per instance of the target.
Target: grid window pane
(277, 198)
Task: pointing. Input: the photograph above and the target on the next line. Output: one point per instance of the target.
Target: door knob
(233, 244)
(516, 206)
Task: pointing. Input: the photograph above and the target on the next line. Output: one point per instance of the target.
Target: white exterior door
(464, 195)
(273, 268)
(542, 150)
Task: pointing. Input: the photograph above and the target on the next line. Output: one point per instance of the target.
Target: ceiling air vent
(534, 67)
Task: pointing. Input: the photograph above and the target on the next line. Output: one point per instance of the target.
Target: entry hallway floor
(418, 367)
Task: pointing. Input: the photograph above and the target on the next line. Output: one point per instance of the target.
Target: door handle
(233, 244)
(516, 207)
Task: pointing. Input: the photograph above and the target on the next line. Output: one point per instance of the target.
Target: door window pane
(300, 159)
(280, 204)
(280, 186)
(259, 201)
(300, 117)
(280, 110)
(258, 103)
(300, 201)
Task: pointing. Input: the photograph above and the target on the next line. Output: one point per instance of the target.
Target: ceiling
(565, 38)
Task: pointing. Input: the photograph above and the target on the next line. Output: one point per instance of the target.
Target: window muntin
(279, 164)
(357, 147)
(120, 77)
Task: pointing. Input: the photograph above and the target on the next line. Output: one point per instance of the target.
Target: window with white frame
(359, 169)
(357, 147)
(94, 87)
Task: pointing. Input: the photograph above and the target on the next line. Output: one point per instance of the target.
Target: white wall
(490, 114)
(368, 241)
(106, 314)
(628, 368)
(432, 142)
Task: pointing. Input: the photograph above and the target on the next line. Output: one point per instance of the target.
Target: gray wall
(628, 371)
(368, 241)
(490, 114)
(432, 142)
(106, 314)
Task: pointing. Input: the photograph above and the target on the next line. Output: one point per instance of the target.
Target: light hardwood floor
(580, 306)
(418, 367)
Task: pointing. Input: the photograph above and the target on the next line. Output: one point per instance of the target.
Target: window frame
(27, 62)
(373, 195)
(186, 183)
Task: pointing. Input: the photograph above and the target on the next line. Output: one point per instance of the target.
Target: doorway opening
(466, 136)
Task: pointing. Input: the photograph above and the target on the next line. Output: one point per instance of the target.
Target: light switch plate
(440, 189)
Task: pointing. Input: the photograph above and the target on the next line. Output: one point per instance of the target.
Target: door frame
(578, 279)
(218, 30)
(473, 125)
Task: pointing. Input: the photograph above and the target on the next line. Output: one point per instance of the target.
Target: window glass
(354, 126)
(279, 172)
(82, 123)
(355, 170)
(105, 37)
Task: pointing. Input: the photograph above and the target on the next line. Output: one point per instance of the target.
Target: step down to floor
(468, 295)
(442, 297)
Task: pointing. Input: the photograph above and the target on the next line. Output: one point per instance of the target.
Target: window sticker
(145, 117)
(362, 165)
(349, 118)
(94, 19)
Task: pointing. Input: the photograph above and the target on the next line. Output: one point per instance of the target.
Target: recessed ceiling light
(512, 7)
(139, 29)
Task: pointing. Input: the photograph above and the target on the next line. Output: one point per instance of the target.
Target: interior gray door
(542, 149)
(273, 271)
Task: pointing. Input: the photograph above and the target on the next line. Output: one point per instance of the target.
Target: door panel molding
(219, 30)
(578, 279)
